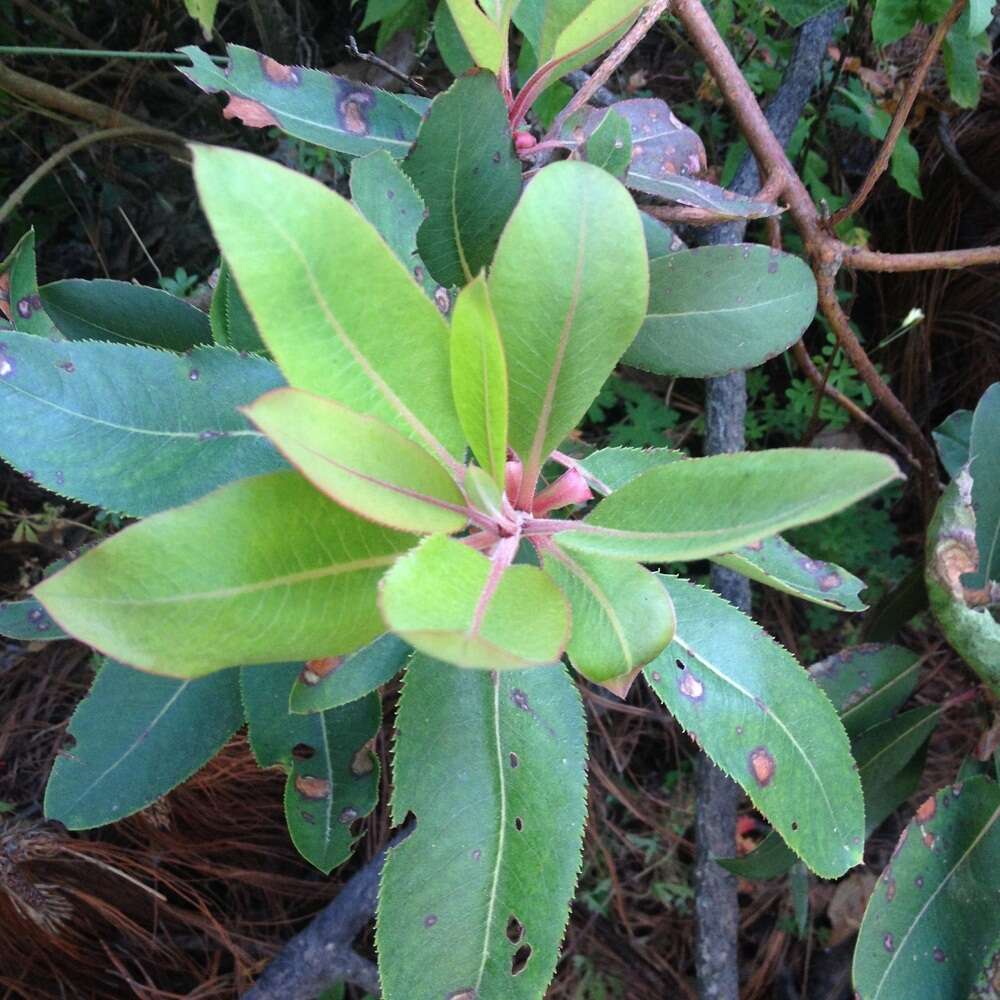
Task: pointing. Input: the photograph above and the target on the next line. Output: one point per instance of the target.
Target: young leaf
(20, 300)
(622, 617)
(485, 40)
(775, 563)
(125, 314)
(310, 267)
(28, 621)
(386, 197)
(984, 467)
(492, 765)
(755, 712)
(321, 108)
(479, 377)
(952, 439)
(463, 166)
(231, 322)
(451, 602)
(706, 506)
(346, 679)
(867, 683)
(717, 309)
(332, 777)
(136, 738)
(168, 433)
(203, 11)
(569, 285)
(361, 462)
(926, 930)
(263, 570)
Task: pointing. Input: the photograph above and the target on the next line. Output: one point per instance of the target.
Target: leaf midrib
(715, 311)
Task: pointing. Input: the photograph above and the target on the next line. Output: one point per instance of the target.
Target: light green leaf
(706, 506)
(136, 738)
(463, 166)
(203, 11)
(980, 15)
(984, 467)
(361, 672)
(450, 46)
(360, 462)
(263, 570)
(483, 492)
(19, 291)
(28, 621)
(320, 108)
(755, 712)
(952, 439)
(332, 777)
(569, 286)
(232, 324)
(479, 377)
(485, 40)
(598, 20)
(717, 309)
(166, 432)
(775, 563)
(867, 683)
(125, 314)
(310, 267)
(449, 601)
(493, 767)
(612, 468)
(621, 615)
(925, 932)
(386, 197)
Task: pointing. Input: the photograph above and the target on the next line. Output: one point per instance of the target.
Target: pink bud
(513, 471)
(524, 140)
(568, 489)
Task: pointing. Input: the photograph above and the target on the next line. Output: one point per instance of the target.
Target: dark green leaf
(130, 429)
(137, 737)
(232, 324)
(882, 800)
(797, 12)
(19, 291)
(660, 238)
(463, 166)
(901, 603)
(756, 713)
(952, 439)
(125, 314)
(449, 42)
(28, 621)
(492, 766)
(609, 145)
(961, 52)
(771, 858)
(884, 750)
(716, 309)
(321, 108)
(929, 927)
(361, 672)
(984, 467)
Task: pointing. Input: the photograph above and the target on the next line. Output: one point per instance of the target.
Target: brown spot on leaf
(253, 114)
(302, 751)
(363, 762)
(352, 110)
(466, 994)
(890, 890)
(348, 815)
(829, 582)
(929, 840)
(513, 759)
(316, 670)
(927, 809)
(312, 788)
(901, 841)
(690, 686)
(762, 765)
(276, 72)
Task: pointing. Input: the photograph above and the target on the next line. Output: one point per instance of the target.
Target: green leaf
(136, 738)
(771, 858)
(717, 309)
(19, 291)
(952, 439)
(609, 145)
(612, 468)
(797, 12)
(479, 377)
(310, 267)
(906, 165)
(332, 777)
(130, 429)
(621, 615)
(203, 11)
(698, 194)
(125, 314)
(463, 166)
(360, 673)
(757, 714)
(485, 40)
(451, 602)
(386, 197)
(980, 14)
(951, 552)
(598, 22)
(882, 800)
(28, 621)
(452, 49)
(893, 19)
(360, 462)
(924, 932)
(569, 286)
(984, 467)
(706, 506)
(660, 238)
(885, 749)
(232, 324)
(321, 108)
(493, 767)
(867, 683)
(775, 563)
(263, 570)
(961, 51)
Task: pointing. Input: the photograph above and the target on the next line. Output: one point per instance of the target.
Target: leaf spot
(657, 676)
(430, 920)
(6, 362)
(442, 299)
(888, 942)
(518, 824)
(939, 955)
(513, 759)
(279, 73)
(348, 815)
(312, 788)
(919, 881)
(465, 994)
(67, 366)
(476, 854)
(253, 114)
(316, 670)
(762, 766)
(520, 959)
(194, 375)
(755, 546)
(927, 809)
(829, 582)
(352, 108)
(690, 687)
(515, 930)
(520, 699)
(302, 751)
(308, 816)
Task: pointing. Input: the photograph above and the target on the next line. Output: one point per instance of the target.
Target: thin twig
(903, 109)
(690, 216)
(387, 67)
(859, 259)
(947, 141)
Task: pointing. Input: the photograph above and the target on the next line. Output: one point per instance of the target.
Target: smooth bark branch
(902, 113)
(859, 259)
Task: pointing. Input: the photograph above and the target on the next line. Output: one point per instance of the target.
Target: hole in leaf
(520, 959)
(513, 759)
(515, 929)
(680, 665)
(795, 825)
(518, 824)
(302, 751)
